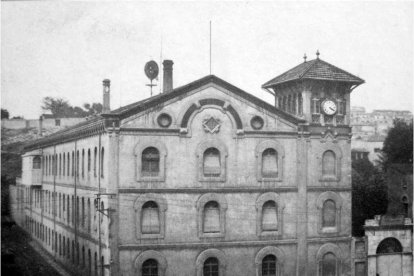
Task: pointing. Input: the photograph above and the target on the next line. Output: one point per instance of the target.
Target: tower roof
(314, 69)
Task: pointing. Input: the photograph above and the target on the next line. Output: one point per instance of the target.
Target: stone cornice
(201, 245)
(198, 190)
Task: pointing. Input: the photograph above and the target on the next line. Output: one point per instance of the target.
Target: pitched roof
(97, 124)
(314, 69)
(127, 110)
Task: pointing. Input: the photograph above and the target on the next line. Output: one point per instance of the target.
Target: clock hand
(331, 109)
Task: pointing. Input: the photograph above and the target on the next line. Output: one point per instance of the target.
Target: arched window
(329, 213)
(63, 246)
(327, 266)
(96, 264)
(37, 162)
(89, 263)
(102, 162)
(83, 163)
(83, 212)
(89, 161)
(95, 154)
(211, 267)
(83, 256)
(64, 164)
(150, 162)
(389, 245)
(211, 217)
(60, 164)
(150, 268)
(269, 265)
(73, 163)
(328, 163)
(150, 219)
(269, 216)
(211, 162)
(88, 216)
(77, 163)
(68, 172)
(269, 163)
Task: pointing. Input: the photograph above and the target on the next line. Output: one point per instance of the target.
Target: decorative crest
(304, 58)
(317, 54)
(212, 125)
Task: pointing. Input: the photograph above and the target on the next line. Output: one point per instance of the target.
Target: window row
(64, 247)
(80, 163)
(291, 103)
(212, 163)
(269, 261)
(69, 209)
(211, 215)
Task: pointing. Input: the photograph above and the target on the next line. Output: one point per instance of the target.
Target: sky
(65, 49)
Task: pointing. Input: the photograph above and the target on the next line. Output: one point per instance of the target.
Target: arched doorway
(389, 257)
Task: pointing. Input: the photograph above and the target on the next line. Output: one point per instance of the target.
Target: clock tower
(319, 93)
(316, 91)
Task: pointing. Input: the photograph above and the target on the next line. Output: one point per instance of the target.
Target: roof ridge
(307, 70)
(342, 70)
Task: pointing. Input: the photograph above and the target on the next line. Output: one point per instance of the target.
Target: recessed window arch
(211, 210)
(211, 217)
(150, 216)
(37, 162)
(150, 268)
(329, 206)
(102, 162)
(329, 260)
(330, 162)
(211, 262)
(269, 215)
(150, 165)
(269, 161)
(211, 162)
(329, 213)
(211, 267)
(212, 155)
(150, 263)
(269, 265)
(389, 245)
(150, 161)
(269, 261)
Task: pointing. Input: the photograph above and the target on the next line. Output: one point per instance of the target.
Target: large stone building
(203, 179)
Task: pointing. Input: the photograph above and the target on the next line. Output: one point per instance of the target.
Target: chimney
(106, 90)
(168, 76)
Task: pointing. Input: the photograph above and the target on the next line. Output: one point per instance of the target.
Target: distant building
(46, 121)
(390, 236)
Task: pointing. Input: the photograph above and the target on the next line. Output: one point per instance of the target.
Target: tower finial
(304, 58)
(317, 54)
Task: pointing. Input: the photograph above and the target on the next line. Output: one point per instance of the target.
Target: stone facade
(199, 179)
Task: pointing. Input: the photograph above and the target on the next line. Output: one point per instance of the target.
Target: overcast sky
(66, 49)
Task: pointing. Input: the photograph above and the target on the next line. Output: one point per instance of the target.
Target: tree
(95, 108)
(57, 106)
(61, 108)
(398, 145)
(4, 114)
(369, 194)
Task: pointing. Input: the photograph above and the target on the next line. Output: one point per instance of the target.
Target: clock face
(329, 107)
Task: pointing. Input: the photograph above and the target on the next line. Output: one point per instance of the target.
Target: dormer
(316, 91)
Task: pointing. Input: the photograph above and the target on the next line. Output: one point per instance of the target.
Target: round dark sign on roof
(151, 69)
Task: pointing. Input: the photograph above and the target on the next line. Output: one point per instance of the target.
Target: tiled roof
(97, 124)
(314, 69)
(127, 110)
